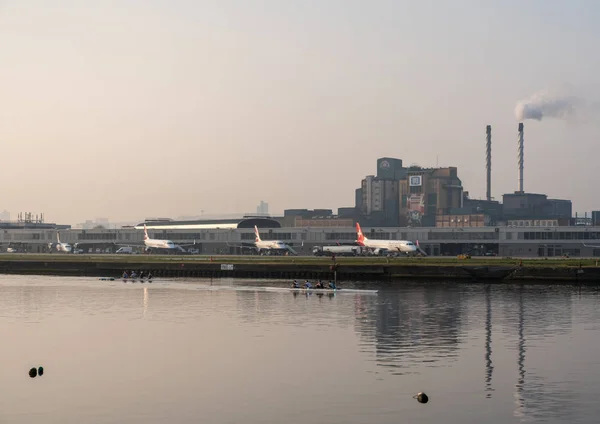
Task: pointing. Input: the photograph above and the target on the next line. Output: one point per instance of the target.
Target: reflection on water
(400, 321)
(119, 352)
(489, 368)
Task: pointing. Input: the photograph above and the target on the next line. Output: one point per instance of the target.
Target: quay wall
(364, 270)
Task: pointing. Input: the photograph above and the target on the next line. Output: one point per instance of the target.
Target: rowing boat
(125, 280)
(315, 290)
(285, 289)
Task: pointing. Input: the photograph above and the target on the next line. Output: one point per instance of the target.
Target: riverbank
(353, 268)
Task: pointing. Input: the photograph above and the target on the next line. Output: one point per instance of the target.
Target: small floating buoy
(33, 373)
(421, 397)
(41, 371)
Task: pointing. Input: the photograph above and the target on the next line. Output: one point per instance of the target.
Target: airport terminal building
(522, 238)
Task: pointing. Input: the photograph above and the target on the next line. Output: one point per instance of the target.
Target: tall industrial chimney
(488, 161)
(521, 158)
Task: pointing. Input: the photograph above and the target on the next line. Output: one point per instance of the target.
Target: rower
(125, 275)
(307, 284)
(332, 285)
(295, 285)
(133, 274)
(319, 285)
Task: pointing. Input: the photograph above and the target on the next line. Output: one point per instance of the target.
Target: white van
(125, 250)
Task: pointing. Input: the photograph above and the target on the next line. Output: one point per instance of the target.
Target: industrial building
(434, 197)
(400, 197)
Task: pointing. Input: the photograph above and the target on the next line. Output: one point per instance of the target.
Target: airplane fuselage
(61, 247)
(271, 244)
(159, 244)
(403, 246)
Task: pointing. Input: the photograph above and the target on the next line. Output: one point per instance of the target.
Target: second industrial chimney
(520, 150)
(488, 161)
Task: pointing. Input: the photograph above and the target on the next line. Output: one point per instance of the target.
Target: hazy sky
(134, 108)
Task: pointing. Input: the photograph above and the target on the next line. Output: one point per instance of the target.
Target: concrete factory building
(399, 196)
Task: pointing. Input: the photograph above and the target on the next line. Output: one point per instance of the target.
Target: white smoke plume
(548, 104)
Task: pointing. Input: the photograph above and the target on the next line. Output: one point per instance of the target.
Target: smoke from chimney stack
(521, 155)
(488, 161)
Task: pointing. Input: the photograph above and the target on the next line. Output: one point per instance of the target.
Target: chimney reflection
(489, 368)
(520, 358)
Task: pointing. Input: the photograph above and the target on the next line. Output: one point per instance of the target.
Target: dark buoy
(41, 371)
(33, 373)
(421, 397)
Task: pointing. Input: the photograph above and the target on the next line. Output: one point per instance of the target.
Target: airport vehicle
(338, 250)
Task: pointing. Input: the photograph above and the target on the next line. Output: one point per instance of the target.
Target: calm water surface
(182, 352)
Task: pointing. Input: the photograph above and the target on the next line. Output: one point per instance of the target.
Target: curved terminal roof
(212, 224)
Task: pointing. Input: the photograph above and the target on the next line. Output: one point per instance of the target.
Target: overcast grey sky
(134, 108)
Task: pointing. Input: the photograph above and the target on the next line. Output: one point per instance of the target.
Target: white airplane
(151, 243)
(404, 246)
(267, 245)
(60, 247)
(156, 243)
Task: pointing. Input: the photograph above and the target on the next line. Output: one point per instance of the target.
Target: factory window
(247, 236)
(596, 252)
(212, 236)
(521, 235)
(509, 236)
(432, 199)
(404, 201)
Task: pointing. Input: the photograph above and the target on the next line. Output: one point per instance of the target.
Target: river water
(178, 351)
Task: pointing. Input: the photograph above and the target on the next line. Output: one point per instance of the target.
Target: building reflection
(541, 317)
(412, 327)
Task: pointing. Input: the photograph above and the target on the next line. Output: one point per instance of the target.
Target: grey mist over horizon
(128, 109)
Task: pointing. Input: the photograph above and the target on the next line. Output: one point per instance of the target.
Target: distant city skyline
(134, 109)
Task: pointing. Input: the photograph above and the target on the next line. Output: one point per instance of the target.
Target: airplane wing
(187, 244)
(133, 243)
(241, 246)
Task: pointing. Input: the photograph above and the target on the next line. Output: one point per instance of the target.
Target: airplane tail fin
(257, 239)
(145, 233)
(58, 237)
(360, 237)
